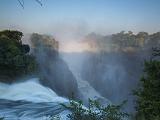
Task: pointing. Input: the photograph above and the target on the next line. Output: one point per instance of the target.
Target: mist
(109, 73)
(113, 72)
(106, 68)
(79, 59)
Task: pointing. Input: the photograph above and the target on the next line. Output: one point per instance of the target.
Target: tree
(14, 56)
(148, 95)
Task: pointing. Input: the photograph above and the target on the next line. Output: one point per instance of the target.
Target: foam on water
(29, 100)
(30, 90)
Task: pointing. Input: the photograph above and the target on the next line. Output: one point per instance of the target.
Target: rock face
(57, 76)
(54, 71)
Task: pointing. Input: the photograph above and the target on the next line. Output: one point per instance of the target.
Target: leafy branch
(21, 2)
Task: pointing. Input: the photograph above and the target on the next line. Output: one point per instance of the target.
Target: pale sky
(77, 17)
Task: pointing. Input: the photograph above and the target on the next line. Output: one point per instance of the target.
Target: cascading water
(74, 62)
(30, 100)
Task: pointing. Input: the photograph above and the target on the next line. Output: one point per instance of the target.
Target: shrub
(148, 95)
(95, 111)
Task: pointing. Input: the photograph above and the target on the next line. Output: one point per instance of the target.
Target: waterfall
(75, 64)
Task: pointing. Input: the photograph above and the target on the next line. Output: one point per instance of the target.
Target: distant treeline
(141, 39)
(124, 41)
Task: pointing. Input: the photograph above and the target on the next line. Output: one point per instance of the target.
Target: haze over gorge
(79, 60)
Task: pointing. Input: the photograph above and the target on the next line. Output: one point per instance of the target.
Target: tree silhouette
(21, 2)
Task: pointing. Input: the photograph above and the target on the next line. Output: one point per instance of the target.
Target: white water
(75, 64)
(29, 100)
(30, 90)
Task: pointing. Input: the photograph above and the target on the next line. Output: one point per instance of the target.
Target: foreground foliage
(95, 111)
(14, 58)
(1, 118)
(148, 95)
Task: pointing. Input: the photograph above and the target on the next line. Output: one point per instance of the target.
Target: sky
(77, 17)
